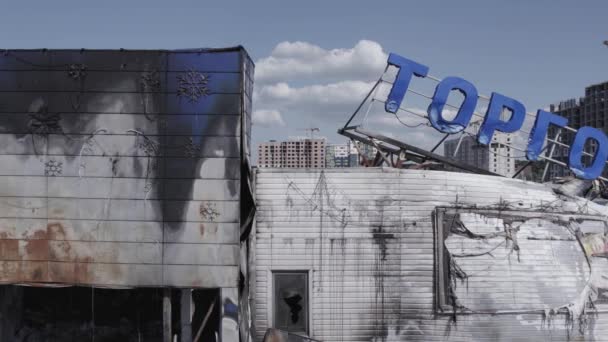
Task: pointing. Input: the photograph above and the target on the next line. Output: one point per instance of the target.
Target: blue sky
(538, 52)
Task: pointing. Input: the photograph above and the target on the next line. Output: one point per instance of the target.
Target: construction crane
(311, 131)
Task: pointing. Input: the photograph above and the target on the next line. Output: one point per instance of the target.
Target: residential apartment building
(365, 153)
(590, 110)
(293, 153)
(338, 155)
(351, 154)
(498, 157)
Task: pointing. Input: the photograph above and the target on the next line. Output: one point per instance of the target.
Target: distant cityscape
(498, 157)
(313, 153)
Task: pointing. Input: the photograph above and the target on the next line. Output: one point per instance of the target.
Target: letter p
(493, 122)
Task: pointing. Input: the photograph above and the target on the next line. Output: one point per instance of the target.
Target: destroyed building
(385, 254)
(406, 250)
(125, 205)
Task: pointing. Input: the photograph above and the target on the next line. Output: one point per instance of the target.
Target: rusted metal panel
(122, 168)
(368, 238)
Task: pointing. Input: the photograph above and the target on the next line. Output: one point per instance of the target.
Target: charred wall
(524, 266)
(125, 169)
(122, 168)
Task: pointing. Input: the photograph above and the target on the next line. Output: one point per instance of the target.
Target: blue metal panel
(229, 61)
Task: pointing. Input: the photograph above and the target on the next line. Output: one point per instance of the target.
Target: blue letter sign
(539, 132)
(494, 119)
(407, 68)
(442, 91)
(492, 122)
(576, 152)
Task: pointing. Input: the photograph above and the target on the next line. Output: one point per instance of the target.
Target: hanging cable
(410, 126)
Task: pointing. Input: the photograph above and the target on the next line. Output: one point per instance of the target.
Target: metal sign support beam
(370, 138)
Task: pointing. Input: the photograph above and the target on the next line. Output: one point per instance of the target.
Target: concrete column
(167, 315)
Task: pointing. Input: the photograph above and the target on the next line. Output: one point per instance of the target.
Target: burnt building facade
(124, 194)
(377, 254)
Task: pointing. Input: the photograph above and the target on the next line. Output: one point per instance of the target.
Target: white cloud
(268, 118)
(302, 60)
(302, 85)
(314, 96)
(298, 50)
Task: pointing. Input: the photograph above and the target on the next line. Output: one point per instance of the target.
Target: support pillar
(167, 315)
(186, 312)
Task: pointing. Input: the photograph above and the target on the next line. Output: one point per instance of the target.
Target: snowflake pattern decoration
(192, 150)
(192, 85)
(53, 168)
(77, 71)
(208, 211)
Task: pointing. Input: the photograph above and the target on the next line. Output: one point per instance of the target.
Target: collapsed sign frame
(407, 70)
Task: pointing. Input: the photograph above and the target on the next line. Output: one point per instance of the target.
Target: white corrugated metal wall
(366, 237)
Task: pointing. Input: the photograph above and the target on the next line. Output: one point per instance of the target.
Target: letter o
(575, 162)
(440, 98)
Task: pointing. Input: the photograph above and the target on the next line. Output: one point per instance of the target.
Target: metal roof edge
(199, 50)
(383, 169)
